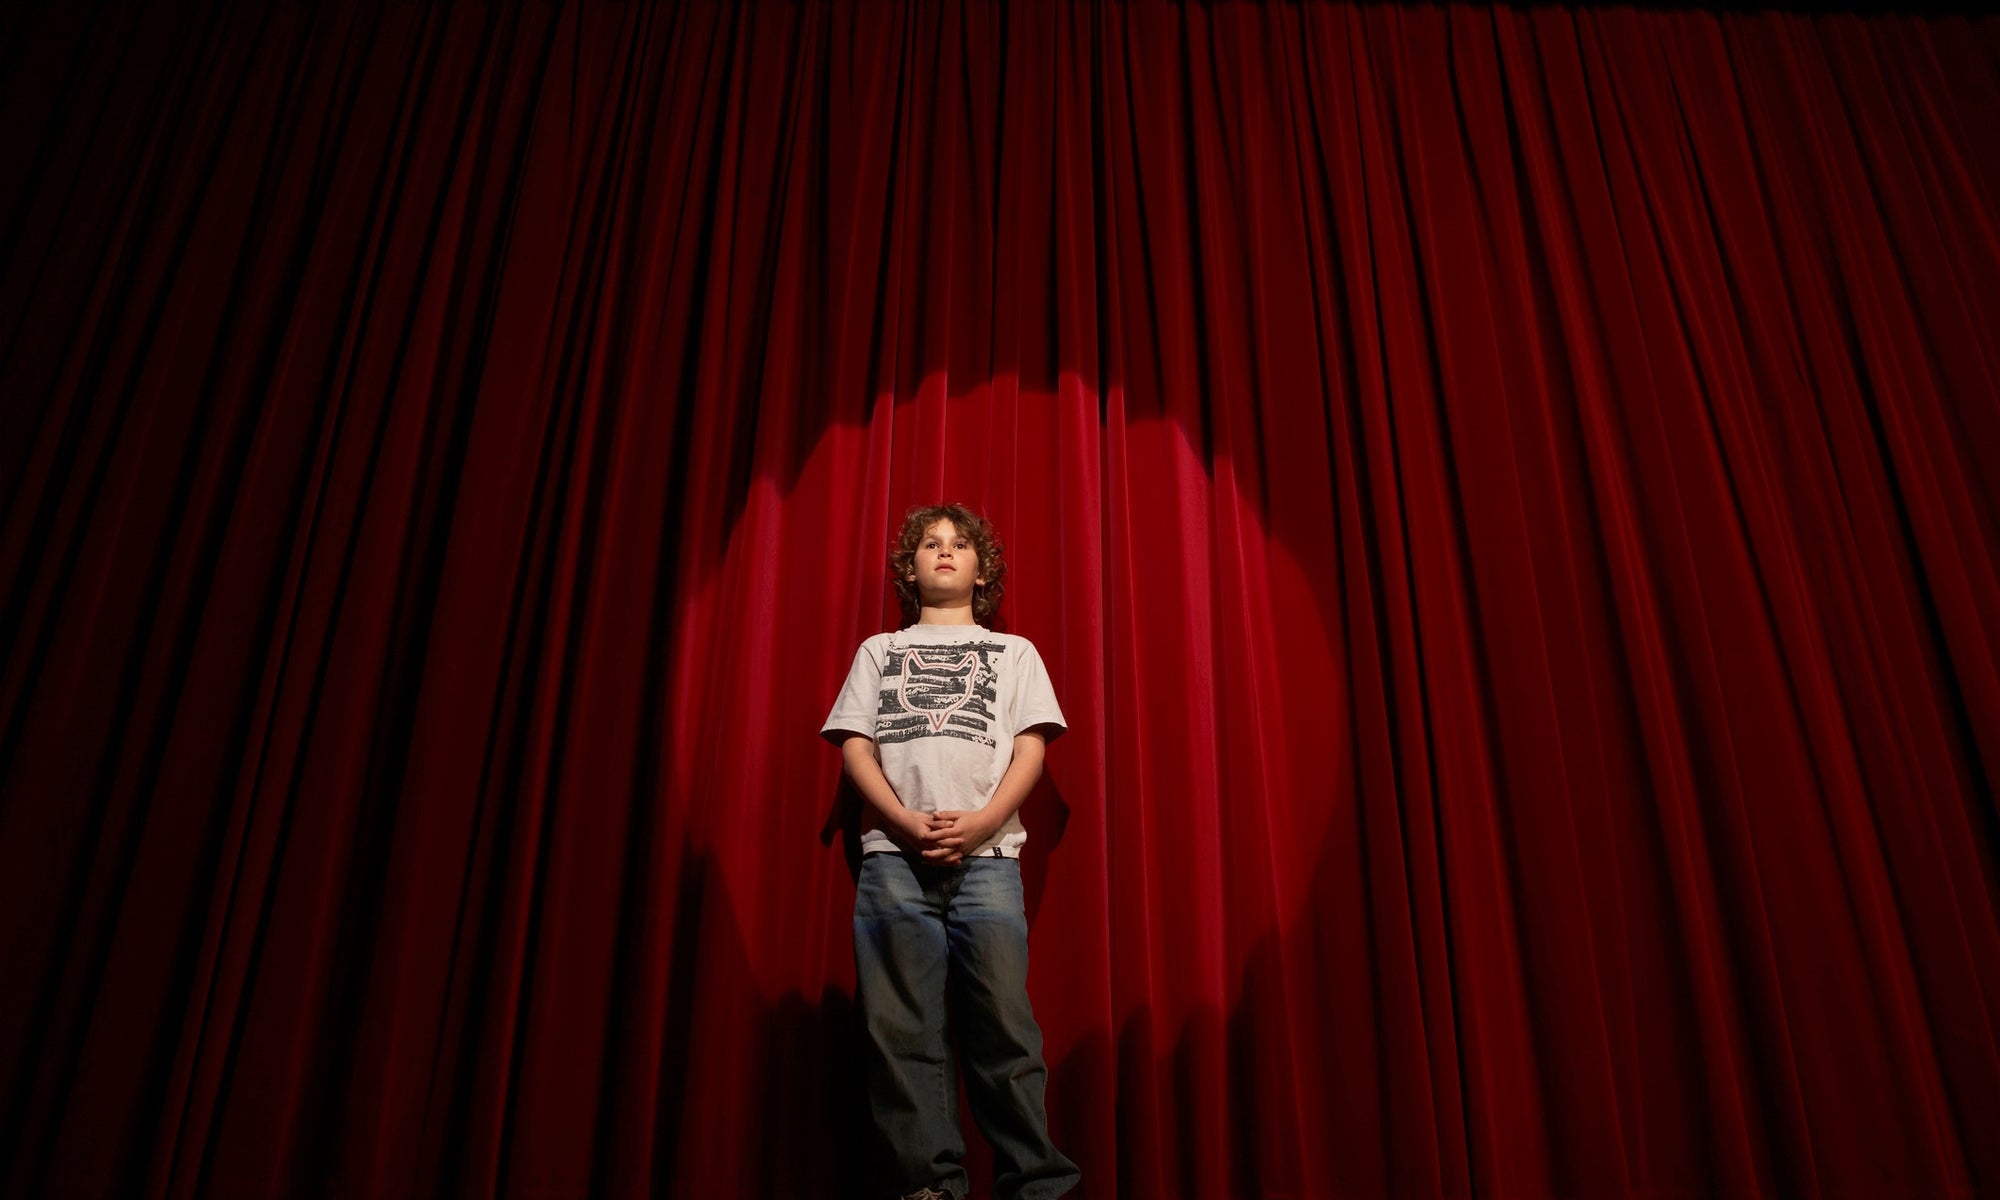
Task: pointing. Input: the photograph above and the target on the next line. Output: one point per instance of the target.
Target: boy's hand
(953, 835)
(909, 830)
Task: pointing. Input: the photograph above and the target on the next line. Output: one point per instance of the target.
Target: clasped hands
(946, 838)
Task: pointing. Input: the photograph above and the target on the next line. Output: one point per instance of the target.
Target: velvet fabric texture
(1509, 499)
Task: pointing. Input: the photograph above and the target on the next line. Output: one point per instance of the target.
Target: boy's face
(947, 565)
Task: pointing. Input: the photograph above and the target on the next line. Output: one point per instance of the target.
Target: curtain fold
(1509, 499)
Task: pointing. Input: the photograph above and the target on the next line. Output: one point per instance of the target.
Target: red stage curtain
(1509, 498)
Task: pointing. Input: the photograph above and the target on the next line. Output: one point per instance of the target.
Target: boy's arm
(863, 764)
(960, 833)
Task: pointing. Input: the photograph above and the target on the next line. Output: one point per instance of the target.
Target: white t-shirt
(943, 704)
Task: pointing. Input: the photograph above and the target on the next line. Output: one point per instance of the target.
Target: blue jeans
(935, 940)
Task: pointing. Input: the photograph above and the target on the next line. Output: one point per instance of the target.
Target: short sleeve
(1035, 697)
(860, 697)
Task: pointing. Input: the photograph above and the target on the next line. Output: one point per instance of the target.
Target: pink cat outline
(911, 661)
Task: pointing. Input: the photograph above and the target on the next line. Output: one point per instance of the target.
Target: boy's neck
(957, 614)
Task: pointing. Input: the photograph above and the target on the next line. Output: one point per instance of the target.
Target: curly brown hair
(977, 530)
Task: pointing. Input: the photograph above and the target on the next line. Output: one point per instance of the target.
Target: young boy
(941, 727)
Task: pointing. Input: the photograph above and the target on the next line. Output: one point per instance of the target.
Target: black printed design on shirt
(939, 691)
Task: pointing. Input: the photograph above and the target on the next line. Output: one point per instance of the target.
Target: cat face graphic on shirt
(939, 691)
